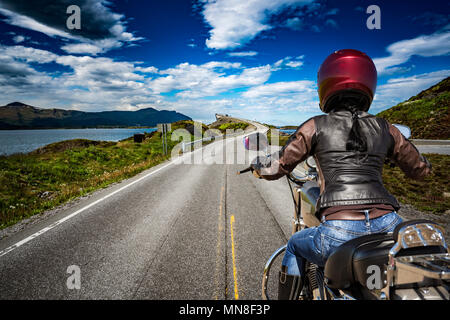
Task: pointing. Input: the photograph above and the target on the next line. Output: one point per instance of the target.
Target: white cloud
(19, 39)
(31, 24)
(28, 54)
(287, 102)
(279, 103)
(396, 70)
(281, 88)
(79, 48)
(288, 62)
(243, 54)
(295, 23)
(101, 73)
(436, 44)
(236, 22)
(294, 64)
(222, 64)
(99, 83)
(397, 90)
(93, 84)
(209, 79)
(147, 69)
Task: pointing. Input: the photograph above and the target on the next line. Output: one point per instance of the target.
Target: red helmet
(346, 71)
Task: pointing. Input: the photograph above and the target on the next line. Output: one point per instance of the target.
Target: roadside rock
(45, 194)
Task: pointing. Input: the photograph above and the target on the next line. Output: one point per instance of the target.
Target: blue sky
(252, 59)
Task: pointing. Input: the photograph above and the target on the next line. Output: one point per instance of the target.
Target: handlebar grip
(245, 170)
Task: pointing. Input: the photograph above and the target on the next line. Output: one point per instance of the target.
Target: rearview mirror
(311, 163)
(256, 141)
(405, 130)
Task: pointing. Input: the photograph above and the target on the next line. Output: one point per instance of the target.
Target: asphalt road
(432, 146)
(441, 149)
(176, 231)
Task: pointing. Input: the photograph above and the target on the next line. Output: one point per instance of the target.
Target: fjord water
(288, 131)
(23, 141)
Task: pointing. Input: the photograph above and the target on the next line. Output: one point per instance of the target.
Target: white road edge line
(54, 224)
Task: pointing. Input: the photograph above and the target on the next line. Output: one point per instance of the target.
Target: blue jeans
(318, 243)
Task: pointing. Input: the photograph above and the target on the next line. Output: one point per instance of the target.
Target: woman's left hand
(256, 174)
(256, 166)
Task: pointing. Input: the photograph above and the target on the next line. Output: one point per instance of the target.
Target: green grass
(189, 126)
(426, 195)
(427, 114)
(38, 181)
(233, 126)
(282, 139)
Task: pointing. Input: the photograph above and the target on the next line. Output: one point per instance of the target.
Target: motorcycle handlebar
(245, 170)
(294, 178)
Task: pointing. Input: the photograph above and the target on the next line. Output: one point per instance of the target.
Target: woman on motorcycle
(349, 146)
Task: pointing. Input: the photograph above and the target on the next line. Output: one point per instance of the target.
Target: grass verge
(47, 177)
(282, 138)
(232, 126)
(428, 195)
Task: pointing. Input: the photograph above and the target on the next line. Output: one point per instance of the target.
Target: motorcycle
(410, 263)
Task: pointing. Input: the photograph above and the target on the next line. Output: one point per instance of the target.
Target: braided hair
(356, 140)
(353, 103)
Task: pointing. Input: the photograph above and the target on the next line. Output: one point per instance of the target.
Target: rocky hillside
(17, 115)
(427, 114)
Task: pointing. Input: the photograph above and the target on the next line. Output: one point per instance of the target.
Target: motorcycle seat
(349, 263)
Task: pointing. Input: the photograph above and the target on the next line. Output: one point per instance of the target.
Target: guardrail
(184, 145)
(428, 142)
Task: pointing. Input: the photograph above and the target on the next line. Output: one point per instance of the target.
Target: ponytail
(352, 102)
(356, 140)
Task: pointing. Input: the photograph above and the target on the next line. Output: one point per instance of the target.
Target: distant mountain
(18, 115)
(427, 114)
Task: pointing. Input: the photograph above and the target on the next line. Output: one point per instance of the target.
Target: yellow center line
(236, 293)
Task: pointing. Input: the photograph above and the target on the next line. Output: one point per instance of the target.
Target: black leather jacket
(347, 177)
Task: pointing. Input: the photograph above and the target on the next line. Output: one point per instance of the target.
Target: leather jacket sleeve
(296, 150)
(407, 157)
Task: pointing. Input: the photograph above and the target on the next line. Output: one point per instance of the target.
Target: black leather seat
(348, 264)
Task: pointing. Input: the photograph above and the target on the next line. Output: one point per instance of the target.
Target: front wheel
(266, 272)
